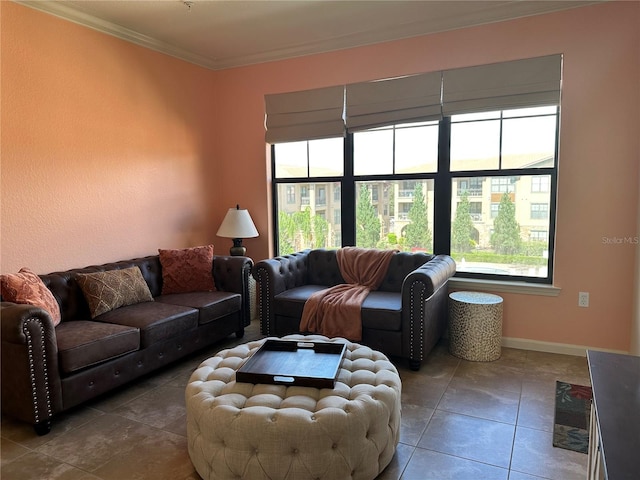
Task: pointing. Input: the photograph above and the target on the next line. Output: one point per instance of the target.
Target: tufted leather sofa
(405, 317)
(47, 369)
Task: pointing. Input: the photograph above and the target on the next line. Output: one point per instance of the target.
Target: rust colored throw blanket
(335, 312)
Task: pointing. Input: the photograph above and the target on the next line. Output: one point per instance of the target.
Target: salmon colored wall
(635, 327)
(599, 150)
(104, 146)
(111, 151)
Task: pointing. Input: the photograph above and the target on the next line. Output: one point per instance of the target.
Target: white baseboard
(551, 347)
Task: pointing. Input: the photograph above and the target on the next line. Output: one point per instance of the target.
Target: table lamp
(237, 224)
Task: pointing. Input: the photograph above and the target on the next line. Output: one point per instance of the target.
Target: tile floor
(460, 420)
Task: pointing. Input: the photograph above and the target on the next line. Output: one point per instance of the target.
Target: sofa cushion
(157, 321)
(380, 310)
(111, 289)
(187, 270)
(28, 288)
(210, 305)
(290, 303)
(85, 343)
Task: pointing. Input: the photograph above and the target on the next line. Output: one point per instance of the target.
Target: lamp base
(238, 250)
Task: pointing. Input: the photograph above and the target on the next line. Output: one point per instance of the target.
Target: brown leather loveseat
(47, 369)
(405, 317)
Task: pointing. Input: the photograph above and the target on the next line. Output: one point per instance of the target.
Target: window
(484, 152)
(502, 234)
(494, 209)
(539, 211)
(471, 186)
(512, 151)
(476, 182)
(305, 224)
(412, 227)
(317, 158)
(291, 194)
(475, 210)
(322, 196)
(397, 149)
(540, 184)
(538, 235)
(503, 185)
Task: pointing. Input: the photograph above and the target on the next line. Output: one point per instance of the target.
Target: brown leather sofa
(47, 369)
(405, 317)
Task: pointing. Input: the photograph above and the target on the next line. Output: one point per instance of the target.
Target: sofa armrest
(29, 365)
(425, 306)
(274, 276)
(231, 274)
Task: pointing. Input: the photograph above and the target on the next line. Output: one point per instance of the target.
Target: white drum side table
(475, 326)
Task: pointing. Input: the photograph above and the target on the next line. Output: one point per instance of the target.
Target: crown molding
(80, 18)
(342, 42)
(350, 40)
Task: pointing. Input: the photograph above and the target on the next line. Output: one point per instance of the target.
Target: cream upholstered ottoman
(259, 431)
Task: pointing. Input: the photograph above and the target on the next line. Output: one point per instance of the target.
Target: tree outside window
(418, 234)
(506, 231)
(461, 231)
(367, 221)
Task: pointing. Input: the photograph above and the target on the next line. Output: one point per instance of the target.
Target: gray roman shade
(319, 113)
(394, 100)
(305, 115)
(515, 84)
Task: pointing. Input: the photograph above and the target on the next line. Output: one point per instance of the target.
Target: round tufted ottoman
(276, 432)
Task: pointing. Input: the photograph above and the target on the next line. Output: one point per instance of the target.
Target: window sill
(523, 288)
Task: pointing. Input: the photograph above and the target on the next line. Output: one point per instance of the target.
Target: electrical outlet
(583, 299)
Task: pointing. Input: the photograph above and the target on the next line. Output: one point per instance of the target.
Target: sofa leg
(42, 428)
(240, 333)
(414, 365)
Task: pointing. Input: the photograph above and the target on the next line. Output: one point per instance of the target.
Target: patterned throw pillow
(187, 270)
(28, 288)
(106, 291)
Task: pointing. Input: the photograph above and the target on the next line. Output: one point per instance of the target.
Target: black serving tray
(292, 362)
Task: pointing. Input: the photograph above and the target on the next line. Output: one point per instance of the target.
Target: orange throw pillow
(28, 288)
(187, 270)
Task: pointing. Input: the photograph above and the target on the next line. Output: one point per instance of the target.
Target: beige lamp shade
(237, 224)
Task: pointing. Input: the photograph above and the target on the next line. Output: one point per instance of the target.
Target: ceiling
(222, 34)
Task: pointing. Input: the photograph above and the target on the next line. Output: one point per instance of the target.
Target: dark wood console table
(615, 416)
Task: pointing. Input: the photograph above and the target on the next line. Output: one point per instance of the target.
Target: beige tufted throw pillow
(106, 291)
